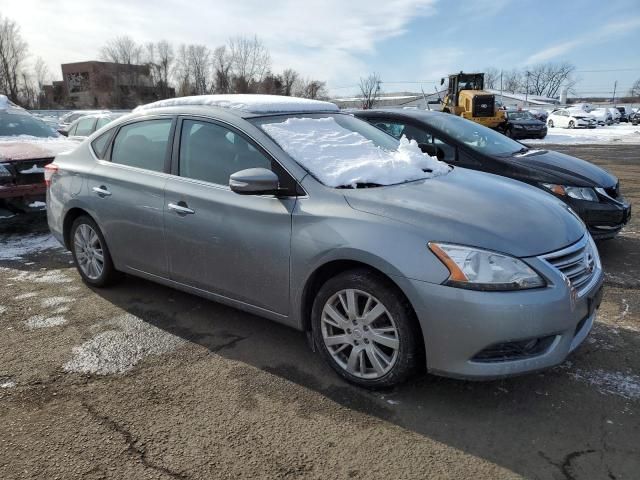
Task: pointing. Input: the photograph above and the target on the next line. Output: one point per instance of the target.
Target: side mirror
(432, 150)
(442, 81)
(254, 181)
(63, 132)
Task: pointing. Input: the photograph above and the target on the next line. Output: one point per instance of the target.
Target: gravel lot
(143, 382)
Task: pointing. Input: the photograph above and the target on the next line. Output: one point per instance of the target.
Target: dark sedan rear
(589, 190)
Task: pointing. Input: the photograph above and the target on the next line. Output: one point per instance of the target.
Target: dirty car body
(273, 253)
(26, 145)
(589, 190)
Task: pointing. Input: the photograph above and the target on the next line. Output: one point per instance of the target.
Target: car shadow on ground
(544, 422)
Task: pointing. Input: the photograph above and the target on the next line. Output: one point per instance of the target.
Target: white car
(615, 114)
(602, 115)
(569, 118)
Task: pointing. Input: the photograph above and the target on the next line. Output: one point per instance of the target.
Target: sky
(411, 44)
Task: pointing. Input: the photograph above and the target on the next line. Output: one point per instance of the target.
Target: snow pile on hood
(248, 103)
(340, 157)
(24, 147)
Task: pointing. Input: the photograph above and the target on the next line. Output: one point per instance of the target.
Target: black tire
(550, 123)
(410, 349)
(109, 274)
(571, 124)
(509, 133)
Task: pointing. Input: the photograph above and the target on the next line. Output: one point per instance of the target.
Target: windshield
(14, 124)
(520, 116)
(475, 136)
(342, 151)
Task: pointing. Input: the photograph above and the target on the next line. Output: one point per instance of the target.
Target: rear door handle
(181, 208)
(101, 191)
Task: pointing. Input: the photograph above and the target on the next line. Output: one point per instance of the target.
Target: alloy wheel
(89, 251)
(360, 334)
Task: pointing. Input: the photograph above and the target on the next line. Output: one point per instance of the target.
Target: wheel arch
(69, 218)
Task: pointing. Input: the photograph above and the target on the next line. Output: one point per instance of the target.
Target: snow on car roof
(249, 103)
(339, 157)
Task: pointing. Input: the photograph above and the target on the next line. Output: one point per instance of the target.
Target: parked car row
(337, 224)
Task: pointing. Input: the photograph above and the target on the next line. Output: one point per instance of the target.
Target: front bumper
(460, 324)
(526, 133)
(603, 219)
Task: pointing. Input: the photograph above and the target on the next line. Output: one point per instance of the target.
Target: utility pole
(615, 85)
(526, 93)
(501, 98)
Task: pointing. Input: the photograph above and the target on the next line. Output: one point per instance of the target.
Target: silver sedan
(292, 210)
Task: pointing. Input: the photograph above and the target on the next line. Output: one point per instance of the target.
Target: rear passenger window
(211, 153)
(142, 144)
(84, 127)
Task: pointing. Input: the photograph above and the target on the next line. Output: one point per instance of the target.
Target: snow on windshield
(340, 157)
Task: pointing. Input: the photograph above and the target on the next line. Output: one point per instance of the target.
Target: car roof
(242, 105)
(416, 114)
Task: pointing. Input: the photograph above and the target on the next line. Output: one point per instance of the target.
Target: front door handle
(101, 191)
(181, 208)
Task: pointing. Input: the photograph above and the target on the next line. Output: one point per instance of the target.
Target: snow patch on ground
(624, 385)
(341, 157)
(42, 321)
(24, 296)
(37, 204)
(17, 247)
(2, 309)
(7, 384)
(55, 301)
(120, 349)
(601, 135)
(248, 103)
(48, 276)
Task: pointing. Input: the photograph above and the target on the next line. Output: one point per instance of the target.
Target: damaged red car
(26, 145)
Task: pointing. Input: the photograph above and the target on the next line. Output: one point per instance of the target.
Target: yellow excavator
(466, 97)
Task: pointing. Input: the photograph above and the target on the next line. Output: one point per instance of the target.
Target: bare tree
(193, 70)
(635, 89)
(222, 70)
(13, 53)
(370, 90)
(547, 78)
(491, 78)
(289, 78)
(159, 58)
(122, 49)
(250, 61)
(512, 81)
(314, 89)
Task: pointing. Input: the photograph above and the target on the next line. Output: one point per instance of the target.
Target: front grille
(504, 352)
(29, 172)
(483, 106)
(578, 263)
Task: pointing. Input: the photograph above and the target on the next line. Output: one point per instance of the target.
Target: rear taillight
(49, 171)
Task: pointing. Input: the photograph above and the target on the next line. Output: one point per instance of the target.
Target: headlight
(478, 269)
(518, 126)
(4, 172)
(579, 193)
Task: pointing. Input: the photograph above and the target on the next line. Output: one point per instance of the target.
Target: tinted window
(142, 144)
(100, 144)
(84, 126)
(448, 152)
(211, 153)
(22, 123)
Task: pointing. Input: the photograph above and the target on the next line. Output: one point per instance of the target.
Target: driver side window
(449, 151)
(211, 152)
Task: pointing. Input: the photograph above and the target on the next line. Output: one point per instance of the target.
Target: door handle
(181, 208)
(101, 191)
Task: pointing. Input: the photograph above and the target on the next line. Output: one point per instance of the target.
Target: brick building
(96, 84)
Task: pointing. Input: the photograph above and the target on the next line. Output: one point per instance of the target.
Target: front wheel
(571, 124)
(550, 123)
(90, 253)
(365, 329)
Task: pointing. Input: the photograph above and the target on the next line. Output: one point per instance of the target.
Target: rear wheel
(365, 329)
(550, 123)
(571, 124)
(91, 254)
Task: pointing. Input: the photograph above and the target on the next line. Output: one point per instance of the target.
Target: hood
(31, 148)
(566, 169)
(477, 209)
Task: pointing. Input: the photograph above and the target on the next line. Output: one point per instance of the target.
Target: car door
(127, 192)
(237, 246)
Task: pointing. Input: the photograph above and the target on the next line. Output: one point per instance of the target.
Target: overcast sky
(341, 40)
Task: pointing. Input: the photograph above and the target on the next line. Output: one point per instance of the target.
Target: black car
(589, 190)
(634, 118)
(522, 124)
